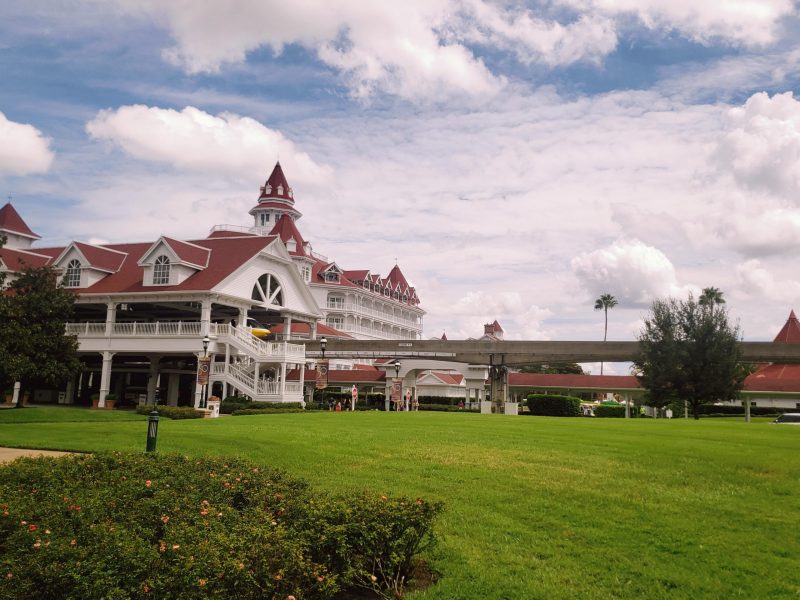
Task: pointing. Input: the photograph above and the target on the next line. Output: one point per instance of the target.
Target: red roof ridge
(790, 332)
(277, 186)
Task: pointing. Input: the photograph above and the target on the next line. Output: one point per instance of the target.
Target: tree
(603, 303)
(689, 351)
(711, 296)
(34, 347)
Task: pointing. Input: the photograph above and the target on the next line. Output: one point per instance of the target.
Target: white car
(789, 419)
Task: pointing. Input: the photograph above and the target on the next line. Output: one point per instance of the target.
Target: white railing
(371, 312)
(241, 377)
(260, 348)
(136, 329)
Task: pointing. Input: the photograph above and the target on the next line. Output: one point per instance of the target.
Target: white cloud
(757, 281)
(631, 271)
(761, 147)
(746, 22)
(519, 318)
(197, 141)
(24, 150)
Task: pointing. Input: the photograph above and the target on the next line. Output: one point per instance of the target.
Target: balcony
(357, 309)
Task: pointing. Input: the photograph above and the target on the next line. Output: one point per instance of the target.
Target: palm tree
(711, 296)
(603, 303)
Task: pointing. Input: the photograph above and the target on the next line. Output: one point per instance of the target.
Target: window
(332, 276)
(161, 271)
(268, 291)
(335, 322)
(264, 219)
(335, 302)
(72, 278)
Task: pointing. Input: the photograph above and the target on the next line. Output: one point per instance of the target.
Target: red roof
(359, 275)
(571, 381)
(305, 329)
(277, 186)
(226, 233)
(100, 257)
(227, 255)
(188, 252)
(448, 378)
(287, 230)
(444, 336)
(16, 260)
(790, 333)
(396, 277)
(11, 221)
(341, 375)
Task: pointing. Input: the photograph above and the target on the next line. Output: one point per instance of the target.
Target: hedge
(607, 410)
(172, 412)
(554, 405)
(243, 412)
(442, 408)
(712, 409)
(164, 526)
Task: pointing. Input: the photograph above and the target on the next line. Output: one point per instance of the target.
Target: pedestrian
(460, 405)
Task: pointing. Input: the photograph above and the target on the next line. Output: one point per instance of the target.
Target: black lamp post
(397, 376)
(397, 368)
(152, 425)
(322, 343)
(204, 396)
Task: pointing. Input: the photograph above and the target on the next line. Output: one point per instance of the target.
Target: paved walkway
(9, 454)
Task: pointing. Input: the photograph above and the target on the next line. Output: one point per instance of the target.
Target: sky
(516, 158)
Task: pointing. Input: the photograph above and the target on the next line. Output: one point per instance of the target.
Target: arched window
(161, 271)
(267, 290)
(72, 278)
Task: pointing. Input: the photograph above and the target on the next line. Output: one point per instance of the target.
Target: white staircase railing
(240, 376)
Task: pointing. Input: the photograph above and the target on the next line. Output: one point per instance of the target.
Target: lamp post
(152, 426)
(204, 395)
(323, 342)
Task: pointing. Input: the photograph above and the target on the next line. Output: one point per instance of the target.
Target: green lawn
(535, 507)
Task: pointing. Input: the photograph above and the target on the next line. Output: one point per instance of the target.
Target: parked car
(789, 419)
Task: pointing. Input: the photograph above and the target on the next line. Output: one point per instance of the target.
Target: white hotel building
(142, 309)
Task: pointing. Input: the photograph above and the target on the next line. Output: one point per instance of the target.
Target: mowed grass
(535, 507)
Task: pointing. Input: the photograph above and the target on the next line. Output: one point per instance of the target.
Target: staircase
(241, 374)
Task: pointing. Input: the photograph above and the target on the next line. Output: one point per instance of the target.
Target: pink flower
(32, 528)
(164, 519)
(73, 542)
(148, 483)
(202, 582)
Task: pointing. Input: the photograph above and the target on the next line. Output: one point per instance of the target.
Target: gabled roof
(97, 257)
(188, 252)
(226, 255)
(11, 222)
(444, 336)
(448, 378)
(275, 182)
(287, 230)
(496, 326)
(357, 275)
(790, 333)
(226, 233)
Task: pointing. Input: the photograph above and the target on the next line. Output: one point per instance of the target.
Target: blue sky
(518, 158)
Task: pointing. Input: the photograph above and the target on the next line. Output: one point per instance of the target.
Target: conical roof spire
(11, 222)
(277, 187)
(790, 333)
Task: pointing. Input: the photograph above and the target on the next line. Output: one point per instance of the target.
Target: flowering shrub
(133, 525)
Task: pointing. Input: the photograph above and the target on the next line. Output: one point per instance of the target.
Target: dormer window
(72, 278)
(161, 271)
(280, 190)
(264, 219)
(332, 277)
(268, 189)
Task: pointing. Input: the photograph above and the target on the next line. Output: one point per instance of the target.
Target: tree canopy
(553, 368)
(689, 351)
(34, 349)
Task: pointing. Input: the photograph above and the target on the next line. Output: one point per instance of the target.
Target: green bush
(554, 405)
(608, 410)
(443, 408)
(243, 412)
(712, 409)
(233, 403)
(172, 412)
(143, 525)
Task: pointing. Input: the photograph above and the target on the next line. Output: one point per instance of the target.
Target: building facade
(148, 313)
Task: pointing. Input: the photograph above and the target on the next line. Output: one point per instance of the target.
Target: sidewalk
(9, 454)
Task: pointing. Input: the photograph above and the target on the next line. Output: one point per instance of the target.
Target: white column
(69, 395)
(287, 327)
(242, 318)
(313, 330)
(153, 379)
(205, 317)
(15, 397)
(105, 377)
(256, 373)
(283, 379)
(303, 383)
(111, 317)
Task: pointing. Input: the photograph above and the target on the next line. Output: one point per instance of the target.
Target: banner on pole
(397, 390)
(322, 374)
(203, 370)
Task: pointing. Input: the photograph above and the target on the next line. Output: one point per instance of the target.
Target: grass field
(535, 507)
